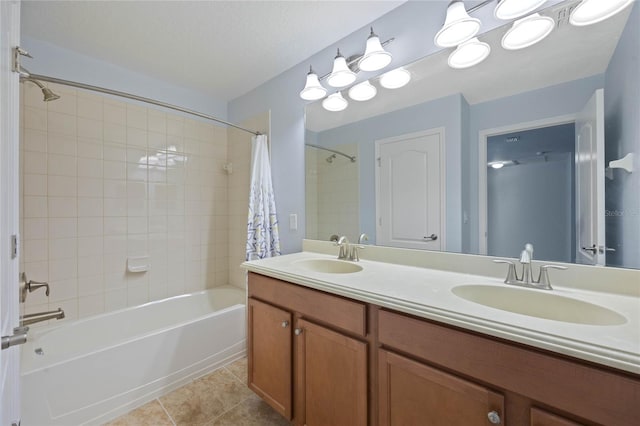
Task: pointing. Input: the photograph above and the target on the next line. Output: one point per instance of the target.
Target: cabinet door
(270, 355)
(331, 377)
(412, 393)
(544, 418)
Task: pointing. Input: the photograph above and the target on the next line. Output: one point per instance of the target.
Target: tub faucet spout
(29, 319)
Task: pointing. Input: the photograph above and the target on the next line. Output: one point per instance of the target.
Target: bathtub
(93, 370)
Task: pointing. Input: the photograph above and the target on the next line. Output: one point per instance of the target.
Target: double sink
(530, 302)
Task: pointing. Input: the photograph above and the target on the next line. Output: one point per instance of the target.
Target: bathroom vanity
(372, 343)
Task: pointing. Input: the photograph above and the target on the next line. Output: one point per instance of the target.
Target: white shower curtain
(262, 225)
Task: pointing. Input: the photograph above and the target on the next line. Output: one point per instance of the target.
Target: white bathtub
(95, 369)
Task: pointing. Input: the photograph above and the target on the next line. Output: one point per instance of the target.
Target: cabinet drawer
(602, 395)
(339, 312)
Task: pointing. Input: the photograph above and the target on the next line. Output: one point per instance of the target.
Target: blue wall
(622, 136)
(413, 25)
(54, 61)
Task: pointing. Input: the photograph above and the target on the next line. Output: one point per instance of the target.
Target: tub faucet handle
(29, 286)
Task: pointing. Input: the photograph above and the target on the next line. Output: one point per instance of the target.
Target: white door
(590, 211)
(409, 190)
(9, 121)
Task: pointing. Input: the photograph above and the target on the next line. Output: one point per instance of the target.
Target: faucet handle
(543, 280)
(512, 275)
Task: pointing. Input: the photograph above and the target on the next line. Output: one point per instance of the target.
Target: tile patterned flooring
(218, 399)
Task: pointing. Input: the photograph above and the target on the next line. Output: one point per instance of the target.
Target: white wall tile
(62, 207)
(63, 248)
(35, 185)
(61, 144)
(61, 165)
(90, 226)
(103, 180)
(35, 162)
(89, 128)
(88, 148)
(35, 140)
(90, 167)
(90, 187)
(90, 106)
(62, 186)
(65, 124)
(63, 227)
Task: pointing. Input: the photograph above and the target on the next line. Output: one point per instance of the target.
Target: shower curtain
(262, 225)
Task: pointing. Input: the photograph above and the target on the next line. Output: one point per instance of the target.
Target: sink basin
(540, 304)
(329, 266)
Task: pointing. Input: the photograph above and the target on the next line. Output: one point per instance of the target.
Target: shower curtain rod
(136, 98)
(352, 158)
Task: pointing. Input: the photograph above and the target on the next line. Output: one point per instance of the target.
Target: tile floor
(218, 399)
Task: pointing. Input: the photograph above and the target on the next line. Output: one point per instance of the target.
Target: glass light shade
(335, 102)
(458, 26)
(341, 75)
(313, 90)
(527, 31)
(363, 91)
(395, 79)
(511, 9)
(375, 57)
(469, 53)
(590, 12)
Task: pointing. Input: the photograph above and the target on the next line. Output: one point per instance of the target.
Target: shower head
(46, 92)
(330, 158)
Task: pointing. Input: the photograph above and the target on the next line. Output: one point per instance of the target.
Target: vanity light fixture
(341, 75)
(511, 9)
(375, 57)
(335, 102)
(527, 31)
(458, 26)
(497, 165)
(363, 91)
(592, 11)
(313, 90)
(469, 53)
(395, 79)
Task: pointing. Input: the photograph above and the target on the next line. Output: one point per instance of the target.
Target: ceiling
(222, 48)
(567, 54)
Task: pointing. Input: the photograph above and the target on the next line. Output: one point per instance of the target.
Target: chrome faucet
(29, 286)
(29, 319)
(354, 255)
(526, 258)
(343, 243)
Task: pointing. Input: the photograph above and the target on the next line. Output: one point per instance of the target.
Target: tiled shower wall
(337, 207)
(104, 180)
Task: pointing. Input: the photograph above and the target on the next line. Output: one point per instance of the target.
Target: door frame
(443, 169)
(483, 136)
(9, 210)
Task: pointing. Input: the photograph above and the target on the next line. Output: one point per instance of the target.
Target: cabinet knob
(494, 417)
(285, 324)
(297, 331)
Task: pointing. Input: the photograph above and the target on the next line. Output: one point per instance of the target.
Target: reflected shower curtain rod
(136, 98)
(352, 158)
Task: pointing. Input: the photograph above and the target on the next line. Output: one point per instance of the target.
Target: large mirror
(523, 147)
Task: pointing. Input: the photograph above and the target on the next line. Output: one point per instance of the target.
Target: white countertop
(427, 293)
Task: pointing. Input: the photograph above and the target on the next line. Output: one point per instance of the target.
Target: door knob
(592, 249)
(431, 237)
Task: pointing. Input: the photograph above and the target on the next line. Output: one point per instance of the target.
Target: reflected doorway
(531, 193)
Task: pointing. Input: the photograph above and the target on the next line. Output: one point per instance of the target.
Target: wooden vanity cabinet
(540, 388)
(413, 393)
(326, 360)
(307, 353)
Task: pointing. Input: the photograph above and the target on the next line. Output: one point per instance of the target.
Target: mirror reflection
(520, 148)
